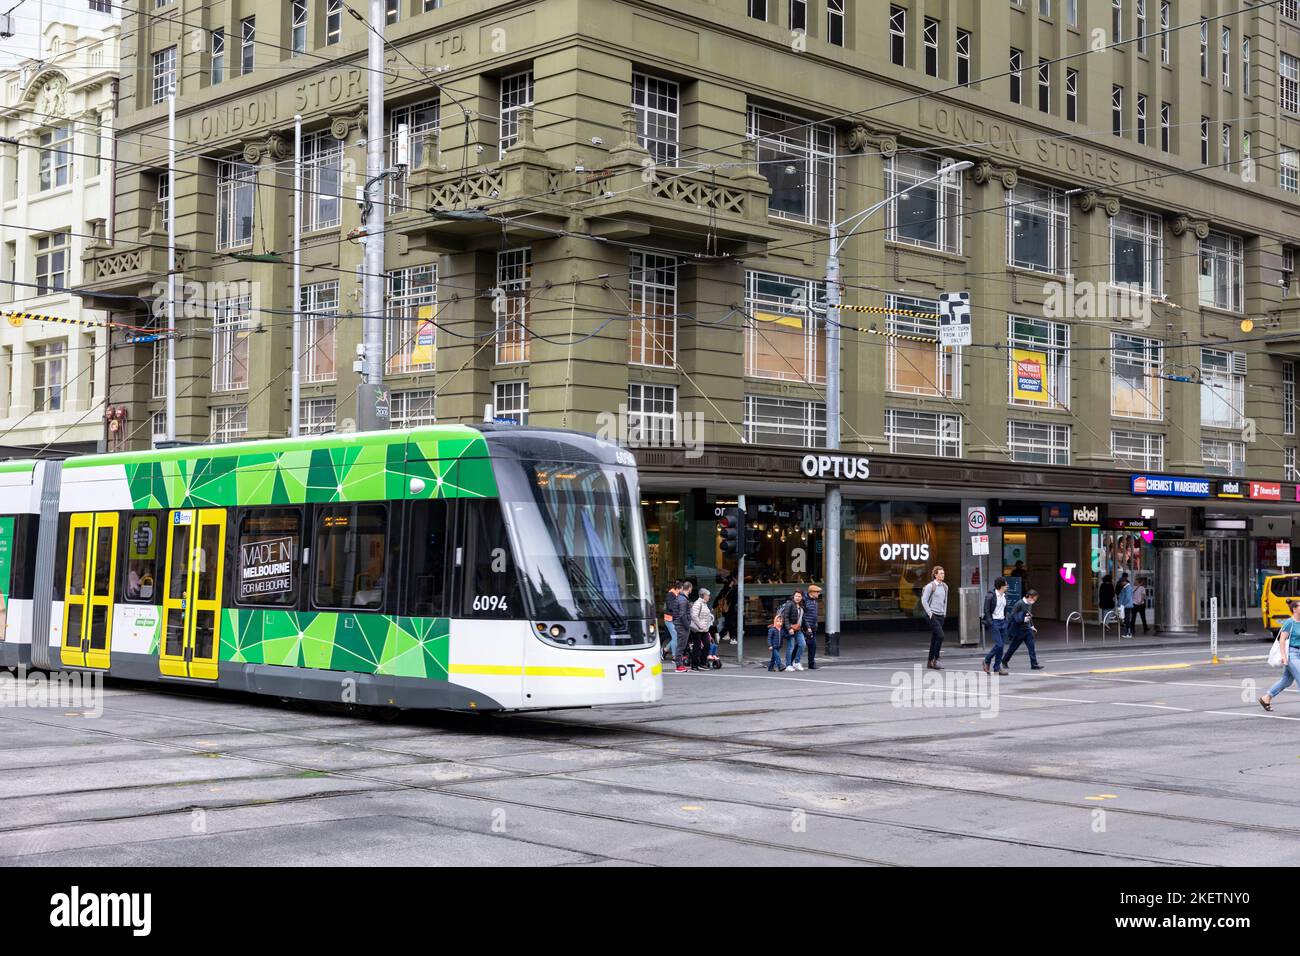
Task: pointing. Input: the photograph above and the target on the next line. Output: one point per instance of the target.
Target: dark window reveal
(146, 540)
(491, 580)
(269, 545)
(348, 555)
(426, 568)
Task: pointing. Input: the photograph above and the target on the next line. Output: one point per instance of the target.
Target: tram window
(425, 571)
(269, 543)
(348, 554)
(61, 555)
(491, 584)
(144, 553)
(23, 563)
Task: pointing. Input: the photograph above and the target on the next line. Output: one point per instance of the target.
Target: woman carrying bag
(1285, 651)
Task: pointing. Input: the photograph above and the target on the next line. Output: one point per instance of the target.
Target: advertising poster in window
(6, 555)
(266, 567)
(141, 554)
(1029, 381)
(422, 345)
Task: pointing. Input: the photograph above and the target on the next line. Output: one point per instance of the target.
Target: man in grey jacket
(934, 603)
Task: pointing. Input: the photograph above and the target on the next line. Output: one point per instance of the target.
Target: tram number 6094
(490, 602)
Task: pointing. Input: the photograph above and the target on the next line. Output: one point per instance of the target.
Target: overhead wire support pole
(295, 376)
(372, 322)
(171, 264)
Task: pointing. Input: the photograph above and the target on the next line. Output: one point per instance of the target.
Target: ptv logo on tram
(630, 670)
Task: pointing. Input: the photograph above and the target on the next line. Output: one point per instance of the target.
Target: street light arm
(837, 241)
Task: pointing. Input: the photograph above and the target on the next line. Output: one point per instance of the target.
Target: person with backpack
(996, 620)
(1124, 602)
(701, 623)
(1022, 631)
(792, 615)
(682, 625)
(934, 605)
(775, 638)
(811, 611)
(1288, 637)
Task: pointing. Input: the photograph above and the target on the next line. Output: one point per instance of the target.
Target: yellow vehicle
(1278, 590)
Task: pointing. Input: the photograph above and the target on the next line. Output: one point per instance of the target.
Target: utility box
(1177, 579)
(968, 620)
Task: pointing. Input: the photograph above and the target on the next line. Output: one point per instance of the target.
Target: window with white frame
(897, 35)
(1072, 95)
(780, 421)
(55, 157)
(1142, 25)
(1222, 457)
(392, 11)
(232, 321)
(420, 119)
(158, 369)
(1288, 88)
(516, 95)
(1288, 465)
(1291, 9)
(1039, 443)
(236, 189)
(963, 43)
(1225, 56)
(1116, 21)
(1137, 251)
(333, 21)
(319, 308)
(652, 297)
(218, 55)
(1138, 451)
(49, 370)
(835, 22)
(1225, 147)
(512, 305)
(297, 27)
(1166, 126)
(164, 74)
(783, 338)
(657, 104)
(52, 253)
(1164, 31)
(229, 423)
(1220, 276)
(322, 172)
(1072, 12)
(1135, 382)
(1013, 74)
(929, 215)
(247, 41)
(1288, 398)
(410, 335)
(316, 416)
(799, 15)
(797, 157)
(1245, 66)
(757, 9)
(1117, 110)
(1142, 119)
(1044, 86)
(412, 409)
(1223, 388)
(158, 428)
(1205, 48)
(915, 361)
(930, 45)
(1038, 228)
(1039, 362)
(1205, 141)
(510, 402)
(1044, 8)
(652, 413)
(933, 434)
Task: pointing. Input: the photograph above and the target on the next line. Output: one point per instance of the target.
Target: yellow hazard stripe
(515, 670)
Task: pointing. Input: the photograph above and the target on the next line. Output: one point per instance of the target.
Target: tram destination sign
(1162, 486)
(266, 567)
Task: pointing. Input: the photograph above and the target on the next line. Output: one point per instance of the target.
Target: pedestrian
(996, 620)
(682, 625)
(1124, 602)
(811, 614)
(670, 606)
(1106, 596)
(775, 638)
(1022, 631)
(726, 609)
(934, 604)
(1289, 636)
(792, 614)
(1140, 604)
(701, 622)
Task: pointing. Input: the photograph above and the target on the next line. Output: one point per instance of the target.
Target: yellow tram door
(88, 591)
(196, 555)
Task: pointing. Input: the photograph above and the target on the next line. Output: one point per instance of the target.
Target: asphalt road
(1133, 758)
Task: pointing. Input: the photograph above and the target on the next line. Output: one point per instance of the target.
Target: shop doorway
(1226, 574)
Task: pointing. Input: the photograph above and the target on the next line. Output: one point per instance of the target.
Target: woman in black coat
(1106, 596)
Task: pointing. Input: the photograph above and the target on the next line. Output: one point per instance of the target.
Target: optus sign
(836, 466)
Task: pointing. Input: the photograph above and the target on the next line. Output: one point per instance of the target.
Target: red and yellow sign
(1029, 376)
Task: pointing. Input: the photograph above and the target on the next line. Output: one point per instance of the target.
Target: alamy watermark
(921, 687)
(67, 690)
(658, 430)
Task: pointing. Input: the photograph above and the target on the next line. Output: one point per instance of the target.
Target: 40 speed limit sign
(977, 520)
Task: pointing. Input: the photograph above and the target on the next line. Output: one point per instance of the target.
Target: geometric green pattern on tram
(452, 462)
(340, 641)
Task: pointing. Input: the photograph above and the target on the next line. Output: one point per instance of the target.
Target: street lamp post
(832, 506)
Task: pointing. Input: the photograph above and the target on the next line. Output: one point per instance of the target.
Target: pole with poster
(979, 547)
(1214, 630)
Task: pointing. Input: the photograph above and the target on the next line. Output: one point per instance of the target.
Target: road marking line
(1238, 713)
(1142, 667)
(1124, 703)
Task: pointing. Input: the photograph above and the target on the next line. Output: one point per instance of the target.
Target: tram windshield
(577, 529)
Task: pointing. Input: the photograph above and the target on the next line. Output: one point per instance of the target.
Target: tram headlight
(557, 631)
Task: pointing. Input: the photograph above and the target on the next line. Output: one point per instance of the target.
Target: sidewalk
(913, 645)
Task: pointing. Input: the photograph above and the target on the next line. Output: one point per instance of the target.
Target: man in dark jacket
(682, 624)
(996, 618)
(811, 611)
(1023, 630)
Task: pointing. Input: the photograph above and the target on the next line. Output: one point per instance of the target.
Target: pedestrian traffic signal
(731, 528)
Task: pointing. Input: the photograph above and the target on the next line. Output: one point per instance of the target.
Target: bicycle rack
(1109, 618)
(1083, 628)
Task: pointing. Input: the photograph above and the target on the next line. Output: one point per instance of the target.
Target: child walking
(774, 641)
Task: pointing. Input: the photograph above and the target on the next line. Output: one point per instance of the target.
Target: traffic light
(731, 527)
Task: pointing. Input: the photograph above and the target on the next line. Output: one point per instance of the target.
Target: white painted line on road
(1124, 703)
(1246, 713)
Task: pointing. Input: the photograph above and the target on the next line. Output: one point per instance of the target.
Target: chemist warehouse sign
(1161, 486)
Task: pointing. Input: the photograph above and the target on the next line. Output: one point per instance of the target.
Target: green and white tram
(470, 568)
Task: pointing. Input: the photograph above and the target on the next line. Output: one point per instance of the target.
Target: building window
(1205, 48)
(799, 15)
(1288, 398)
(1072, 95)
(658, 109)
(835, 22)
(1205, 141)
(784, 421)
(55, 147)
(316, 416)
(929, 216)
(322, 172)
(930, 40)
(1044, 86)
(1289, 170)
(1289, 472)
(1038, 443)
(783, 339)
(1291, 9)
(1038, 228)
(923, 433)
(1072, 12)
(229, 423)
(652, 413)
(247, 39)
(392, 10)
(652, 297)
(915, 362)
(1142, 26)
(1223, 388)
(158, 428)
(758, 9)
(48, 376)
(1289, 84)
(1135, 380)
(1221, 264)
(1166, 126)
(1137, 250)
(232, 321)
(1224, 457)
(1138, 451)
(164, 73)
(1117, 110)
(1245, 66)
(412, 409)
(236, 187)
(516, 95)
(1225, 55)
(410, 335)
(510, 402)
(51, 263)
(1044, 8)
(797, 158)
(420, 119)
(218, 55)
(319, 309)
(158, 369)
(1142, 119)
(1225, 147)
(512, 305)
(1116, 21)
(333, 21)
(1164, 31)
(1039, 355)
(897, 35)
(1014, 75)
(297, 27)
(963, 57)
